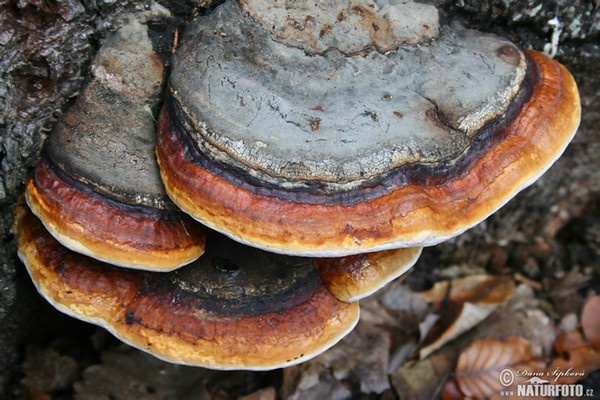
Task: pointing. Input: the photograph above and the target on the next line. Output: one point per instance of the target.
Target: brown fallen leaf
(451, 391)
(590, 323)
(268, 393)
(562, 291)
(470, 301)
(488, 366)
(472, 288)
(454, 322)
(569, 341)
(580, 362)
(125, 373)
(578, 350)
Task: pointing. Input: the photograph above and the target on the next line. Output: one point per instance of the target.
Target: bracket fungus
(96, 203)
(326, 130)
(354, 277)
(236, 307)
(354, 132)
(98, 188)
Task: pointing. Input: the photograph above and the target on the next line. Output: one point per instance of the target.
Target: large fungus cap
(98, 188)
(235, 308)
(286, 131)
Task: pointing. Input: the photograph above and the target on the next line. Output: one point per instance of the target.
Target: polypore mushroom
(99, 195)
(236, 307)
(354, 277)
(98, 188)
(315, 131)
(326, 130)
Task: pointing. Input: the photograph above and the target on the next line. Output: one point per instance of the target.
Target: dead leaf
(569, 341)
(590, 323)
(562, 292)
(126, 373)
(486, 367)
(319, 384)
(578, 349)
(520, 316)
(470, 301)
(473, 288)
(580, 362)
(453, 324)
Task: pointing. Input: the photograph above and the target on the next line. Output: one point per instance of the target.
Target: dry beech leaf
(439, 291)
(569, 341)
(471, 300)
(473, 288)
(574, 368)
(590, 323)
(479, 366)
(578, 349)
(453, 324)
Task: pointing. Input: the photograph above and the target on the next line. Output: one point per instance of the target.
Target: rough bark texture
(45, 50)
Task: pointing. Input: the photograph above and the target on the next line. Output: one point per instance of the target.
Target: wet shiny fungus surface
(219, 321)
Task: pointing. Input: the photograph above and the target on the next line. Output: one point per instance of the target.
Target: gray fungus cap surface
(289, 115)
(98, 188)
(107, 140)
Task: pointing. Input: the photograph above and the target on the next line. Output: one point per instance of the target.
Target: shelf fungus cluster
(303, 155)
(97, 187)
